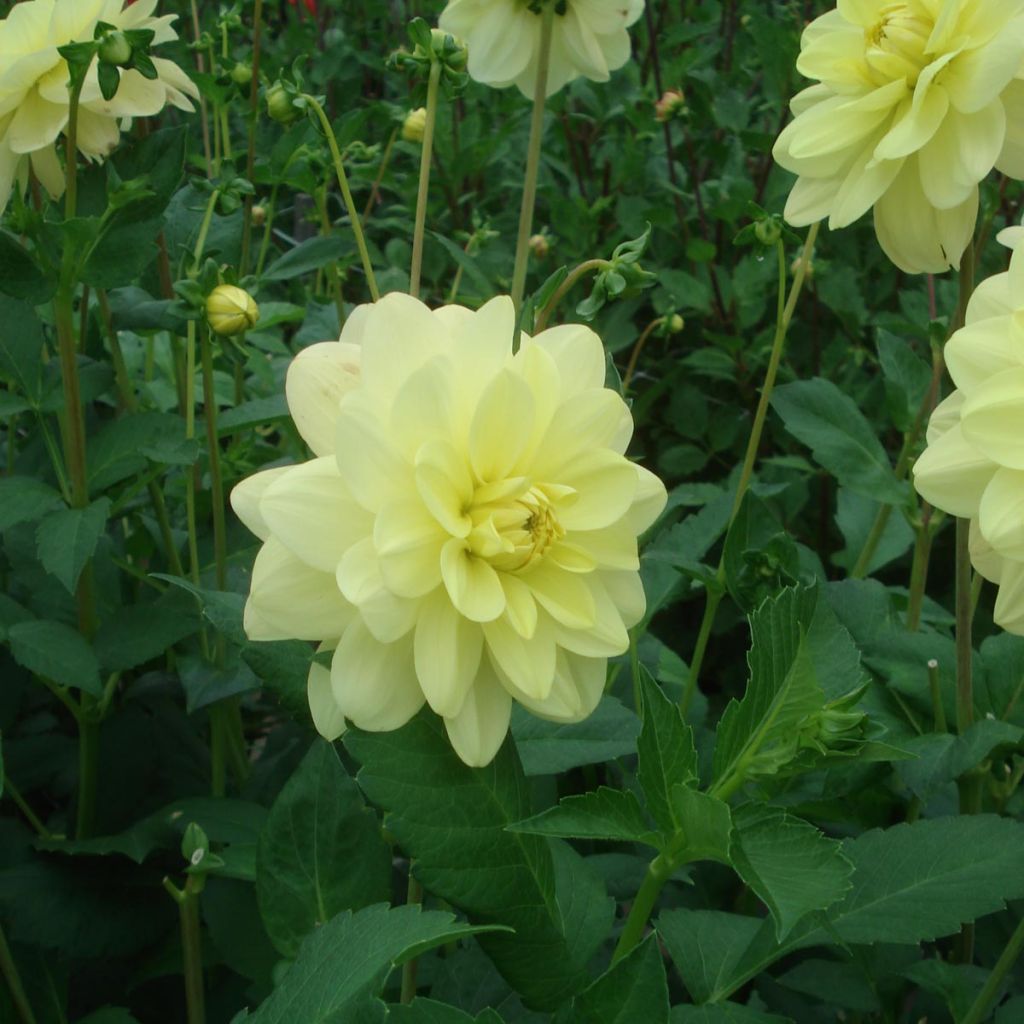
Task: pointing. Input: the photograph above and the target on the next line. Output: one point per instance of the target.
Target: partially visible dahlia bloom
(466, 534)
(34, 94)
(503, 36)
(917, 101)
(973, 466)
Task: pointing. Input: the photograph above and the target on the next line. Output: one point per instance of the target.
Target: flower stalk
(532, 163)
(427, 153)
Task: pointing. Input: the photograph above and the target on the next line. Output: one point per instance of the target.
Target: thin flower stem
(638, 348)
(213, 451)
(203, 110)
(192, 951)
(565, 287)
(964, 616)
(658, 873)
(204, 231)
(532, 163)
(22, 804)
(919, 568)
(346, 192)
(9, 969)
(987, 996)
(250, 153)
(784, 315)
(268, 230)
(414, 896)
(426, 156)
(190, 432)
(938, 710)
(375, 189)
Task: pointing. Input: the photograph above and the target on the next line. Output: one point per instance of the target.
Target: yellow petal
(606, 484)
(481, 724)
(1001, 514)
(444, 484)
(246, 495)
(952, 473)
(992, 418)
(980, 350)
(577, 689)
(473, 586)
(375, 684)
(327, 717)
(447, 653)
(529, 664)
(501, 426)
(317, 378)
(564, 595)
(373, 467)
(1009, 609)
(408, 541)
(386, 615)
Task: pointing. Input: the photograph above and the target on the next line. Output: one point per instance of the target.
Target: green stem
(190, 432)
(784, 315)
(250, 153)
(10, 972)
(203, 110)
(204, 230)
(634, 665)
(532, 162)
(268, 230)
(346, 192)
(938, 710)
(426, 155)
(22, 804)
(213, 451)
(658, 873)
(192, 951)
(863, 563)
(987, 996)
(414, 896)
(88, 768)
(634, 356)
(572, 278)
(375, 189)
(919, 568)
(964, 682)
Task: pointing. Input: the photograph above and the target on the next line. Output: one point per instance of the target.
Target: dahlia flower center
(896, 44)
(515, 522)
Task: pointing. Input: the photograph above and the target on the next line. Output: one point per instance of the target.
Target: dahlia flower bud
(973, 466)
(115, 49)
(231, 310)
(259, 216)
(590, 39)
(446, 558)
(414, 125)
(672, 104)
(280, 104)
(539, 246)
(915, 104)
(675, 323)
(241, 73)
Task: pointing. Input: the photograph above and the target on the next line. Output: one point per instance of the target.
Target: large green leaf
(56, 652)
(343, 965)
(791, 866)
(429, 1011)
(633, 990)
(667, 753)
(320, 851)
(25, 499)
(451, 819)
(705, 822)
(725, 1013)
(66, 540)
(20, 273)
(307, 256)
(817, 413)
(606, 813)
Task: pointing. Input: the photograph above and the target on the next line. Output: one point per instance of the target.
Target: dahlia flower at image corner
(589, 39)
(973, 466)
(916, 102)
(34, 98)
(466, 533)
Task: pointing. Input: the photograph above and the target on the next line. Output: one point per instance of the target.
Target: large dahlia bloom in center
(916, 102)
(589, 39)
(973, 466)
(465, 535)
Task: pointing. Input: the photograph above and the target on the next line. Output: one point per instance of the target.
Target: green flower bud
(280, 105)
(414, 125)
(231, 310)
(241, 73)
(768, 231)
(115, 49)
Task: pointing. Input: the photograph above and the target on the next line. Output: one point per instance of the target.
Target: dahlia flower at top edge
(916, 102)
(466, 532)
(34, 98)
(589, 39)
(973, 466)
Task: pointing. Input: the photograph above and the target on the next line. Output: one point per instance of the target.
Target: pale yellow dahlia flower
(917, 101)
(973, 466)
(590, 39)
(466, 534)
(34, 95)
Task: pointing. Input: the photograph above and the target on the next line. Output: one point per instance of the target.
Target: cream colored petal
(520, 605)
(409, 542)
(577, 689)
(614, 547)
(246, 496)
(386, 615)
(811, 200)
(605, 485)
(290, 601)
(648, 502)
(578, 354)
(501, 426)
(317, 379)
(992, 418)
(978, 75)
(135, 97)
(375, 684)
(49, 171)
(982, 349)
(445, 486)
(447, 650)
(480, 727)
(423, 407)
(528, 664)
(607, 637)
(97, 136)
(311, 511)
(1011, 160)
(472, 584)
(945, 416)
(951, 474)
(961, 154)
(589, 419)
(327, 716)
(563, 595)
(1001, 514)
(36, 124)
(994, 296)
(374, 469)
(984, 558)
(1009, 610)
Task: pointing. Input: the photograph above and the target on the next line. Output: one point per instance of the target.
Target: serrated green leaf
(21, 277)
(24, 499)
(705, 823)
(612, 814)
(320, 852)
(66, 540)
(549, 748)
(633, 990)
(907, 378)
(345, 963)
(667, 756)
(56, 652)
(307, 257)
(817, 413)
(451, 820)
(429, 1011)
(792, 867)
(725, 1013)
(137, 633)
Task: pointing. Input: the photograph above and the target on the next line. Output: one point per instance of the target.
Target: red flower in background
(310, 5)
